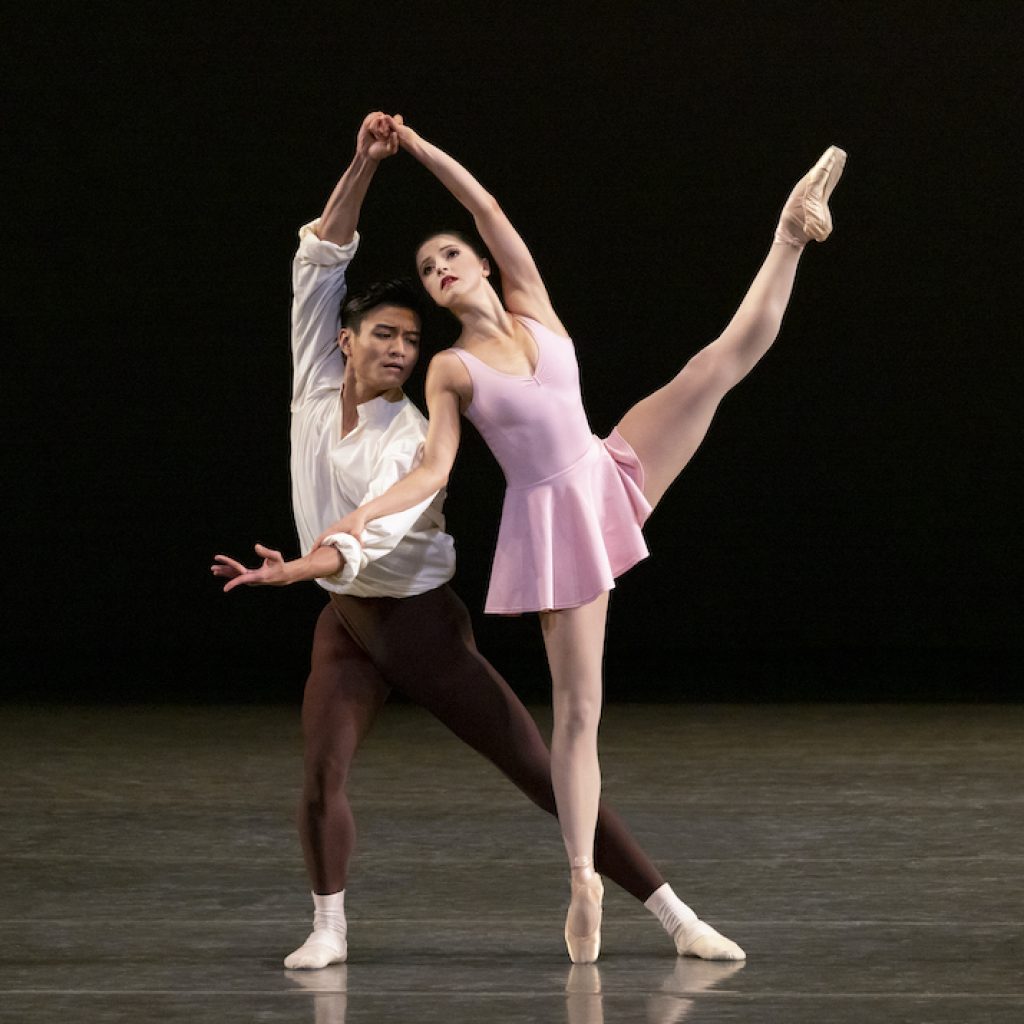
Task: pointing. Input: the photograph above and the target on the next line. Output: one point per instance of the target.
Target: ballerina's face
(449, 268)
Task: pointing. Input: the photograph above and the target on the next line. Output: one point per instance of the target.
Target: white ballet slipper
(321, 949)
(704, 942)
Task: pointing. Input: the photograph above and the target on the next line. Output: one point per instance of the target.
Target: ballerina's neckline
(505, 373)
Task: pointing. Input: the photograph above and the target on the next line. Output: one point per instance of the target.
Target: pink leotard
(574, 504)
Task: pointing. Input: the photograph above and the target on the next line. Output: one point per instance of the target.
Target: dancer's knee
(707, 376)
(325, 778)
(576, 718)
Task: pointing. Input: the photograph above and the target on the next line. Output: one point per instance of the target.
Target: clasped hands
(380, 135)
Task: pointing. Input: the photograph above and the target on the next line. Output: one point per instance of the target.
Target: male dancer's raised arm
(326, 247)
(341, 214)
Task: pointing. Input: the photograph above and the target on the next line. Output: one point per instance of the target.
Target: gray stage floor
(869, 859)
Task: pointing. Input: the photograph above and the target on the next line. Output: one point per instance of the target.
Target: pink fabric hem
(572, 603)
(629, 462)
(564, 540)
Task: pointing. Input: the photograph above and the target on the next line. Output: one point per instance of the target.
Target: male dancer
(392, 620)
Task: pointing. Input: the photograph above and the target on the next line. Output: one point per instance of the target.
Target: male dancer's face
(383, 352)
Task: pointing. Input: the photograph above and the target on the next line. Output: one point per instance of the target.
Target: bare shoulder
(446, 365)
(447, 373)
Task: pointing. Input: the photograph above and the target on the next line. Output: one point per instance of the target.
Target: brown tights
(424, 648)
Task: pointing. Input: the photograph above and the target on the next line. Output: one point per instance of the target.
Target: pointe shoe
(806, 214)
(704, 942)
(584, 949)
(825, 176)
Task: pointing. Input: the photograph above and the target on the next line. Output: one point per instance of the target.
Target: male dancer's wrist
(329, 559)
(320, 562)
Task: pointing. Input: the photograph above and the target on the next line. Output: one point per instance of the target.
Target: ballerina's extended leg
(667, 427)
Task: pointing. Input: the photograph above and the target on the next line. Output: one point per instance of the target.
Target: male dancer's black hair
(394, 291)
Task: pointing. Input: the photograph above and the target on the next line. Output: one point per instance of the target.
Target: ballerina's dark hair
(394, 291)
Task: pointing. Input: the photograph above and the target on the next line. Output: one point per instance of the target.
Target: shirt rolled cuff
(316, 250)
(351, 551)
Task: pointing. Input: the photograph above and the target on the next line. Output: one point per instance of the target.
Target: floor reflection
(584, 1003)
(329, 988)
(669, 1004)
(669, 1000)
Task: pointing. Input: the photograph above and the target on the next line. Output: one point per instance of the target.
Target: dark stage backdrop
(850, 529)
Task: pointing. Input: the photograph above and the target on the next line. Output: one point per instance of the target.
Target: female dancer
(574, 505)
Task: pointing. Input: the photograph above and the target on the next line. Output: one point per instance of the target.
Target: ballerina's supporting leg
(574, 640)
(462, 690)
(667, 427)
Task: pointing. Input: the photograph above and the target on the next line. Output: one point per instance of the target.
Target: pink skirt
(564, 540)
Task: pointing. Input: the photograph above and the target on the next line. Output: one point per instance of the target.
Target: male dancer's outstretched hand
(275, 571)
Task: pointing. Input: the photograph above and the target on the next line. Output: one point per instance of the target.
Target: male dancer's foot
(806, 214)
(327, 943)
(692, 936)
(704, 942)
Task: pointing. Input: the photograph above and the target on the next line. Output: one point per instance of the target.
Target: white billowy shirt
(403, 554)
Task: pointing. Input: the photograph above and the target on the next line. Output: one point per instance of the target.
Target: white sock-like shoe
(327, 943)
(692, 936)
